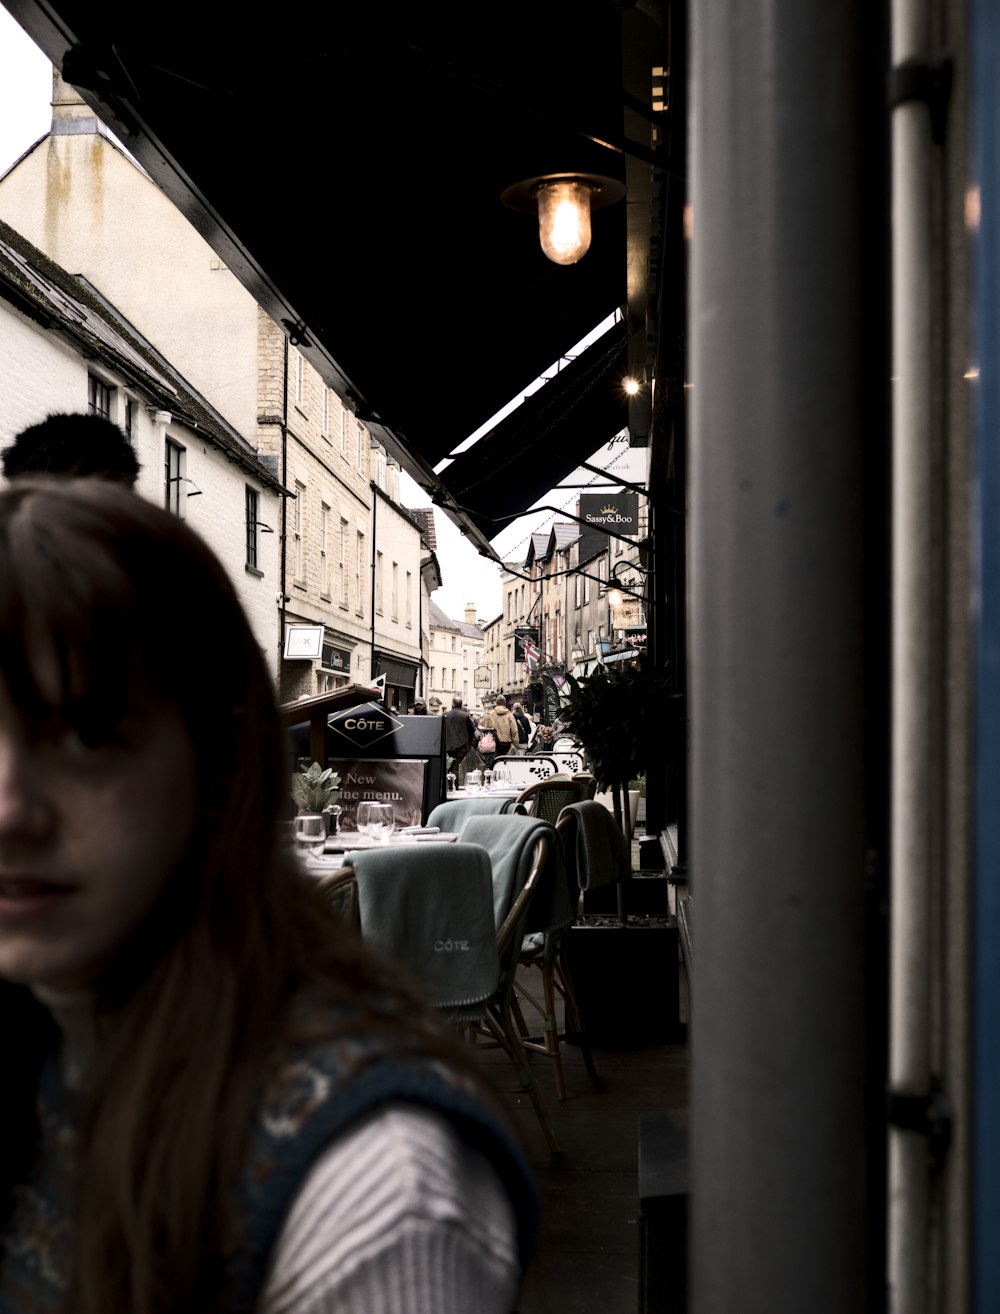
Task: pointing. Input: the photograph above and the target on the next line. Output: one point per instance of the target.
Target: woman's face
(92, 825)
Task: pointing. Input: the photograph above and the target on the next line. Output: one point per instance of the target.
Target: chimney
(470, 613)
(70, 112)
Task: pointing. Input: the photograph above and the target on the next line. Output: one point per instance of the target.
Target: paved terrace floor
(588, 1258)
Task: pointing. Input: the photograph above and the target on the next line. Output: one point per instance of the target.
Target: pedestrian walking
(500, 720)
(459, 737)
(524, 728)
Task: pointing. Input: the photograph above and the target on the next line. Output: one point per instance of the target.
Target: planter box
(647, 894)
(626, 981)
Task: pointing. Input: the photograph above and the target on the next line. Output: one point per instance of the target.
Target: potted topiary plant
(620, 716)
(624, 965)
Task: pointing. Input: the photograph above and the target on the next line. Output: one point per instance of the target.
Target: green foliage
(621, 716)
(313, 789)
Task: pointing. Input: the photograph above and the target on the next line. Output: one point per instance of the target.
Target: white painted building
(456, 653)
(63, 348)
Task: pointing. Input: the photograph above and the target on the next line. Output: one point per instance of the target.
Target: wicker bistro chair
(506, 839)
(339, 889)
(547, 798)
(596, 855)
(437, 910)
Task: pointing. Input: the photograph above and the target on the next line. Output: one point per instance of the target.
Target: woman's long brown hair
(113, 589)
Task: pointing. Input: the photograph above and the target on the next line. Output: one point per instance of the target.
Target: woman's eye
(86, 736)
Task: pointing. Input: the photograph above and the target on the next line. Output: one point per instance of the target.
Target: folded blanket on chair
(454, 812)
(599, 851)
(430, 906)
(510, 841)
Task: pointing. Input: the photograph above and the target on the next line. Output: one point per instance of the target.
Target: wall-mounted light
(564, 202)
(618, 589)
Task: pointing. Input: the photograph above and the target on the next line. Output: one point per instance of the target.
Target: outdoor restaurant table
(346, 842)
(507, 791)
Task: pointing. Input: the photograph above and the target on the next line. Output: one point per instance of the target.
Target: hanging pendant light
(564, 202)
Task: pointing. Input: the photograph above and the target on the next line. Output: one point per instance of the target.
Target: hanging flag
(530, 654)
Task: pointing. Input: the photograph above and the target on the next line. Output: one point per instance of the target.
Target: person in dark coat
(460, 735)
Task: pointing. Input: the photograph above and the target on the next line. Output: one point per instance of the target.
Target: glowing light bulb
(564, 219)
(632, 386)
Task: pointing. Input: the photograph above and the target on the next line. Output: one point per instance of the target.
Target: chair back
(587, 783)
(594, 845)
(339, 890)
(526, 770)
(430, 907)
(525, 855)
(453, 813)
(547, 798)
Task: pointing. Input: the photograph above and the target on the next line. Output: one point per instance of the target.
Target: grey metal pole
(778, 1161)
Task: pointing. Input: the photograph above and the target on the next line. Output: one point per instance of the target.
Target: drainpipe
(372, 671)
(914, 542)
(284, 507)
(777, 672)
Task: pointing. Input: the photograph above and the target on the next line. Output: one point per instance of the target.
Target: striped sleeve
(398, 1216)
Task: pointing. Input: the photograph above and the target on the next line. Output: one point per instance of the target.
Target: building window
(361, 447)
(408, 603)
(252, 519)
(98, 397)
(131, 416)
(342, 563)
(586, 589)
(453, 643)
(380, 470)
(432, 677)
(173, 476)
(395, 590)
(359, 574)
(324, 550)
(300, 381)
(343, 430)
(326, 412)
(298, 560)
(379, 582)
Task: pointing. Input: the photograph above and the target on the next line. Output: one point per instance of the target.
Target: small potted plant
(315, 789)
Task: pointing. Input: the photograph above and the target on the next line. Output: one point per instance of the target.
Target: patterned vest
(315, 1096)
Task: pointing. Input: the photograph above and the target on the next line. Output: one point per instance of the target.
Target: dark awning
(546, 438)
(348, 166)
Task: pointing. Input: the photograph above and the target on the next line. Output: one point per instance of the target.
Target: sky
(25, 93)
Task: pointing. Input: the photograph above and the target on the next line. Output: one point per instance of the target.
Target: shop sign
(304, 642)
(364, 725)
(336, 659)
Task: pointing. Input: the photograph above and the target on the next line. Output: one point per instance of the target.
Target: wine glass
(365, 817)
(383, 821)
(310, 832)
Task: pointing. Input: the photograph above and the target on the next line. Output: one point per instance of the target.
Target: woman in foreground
(214, 1099)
